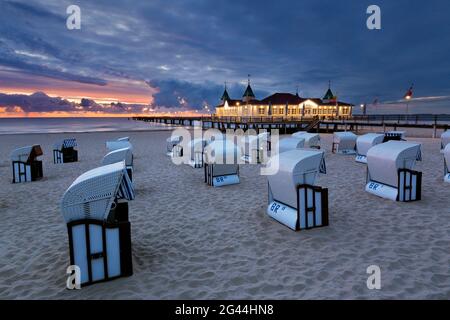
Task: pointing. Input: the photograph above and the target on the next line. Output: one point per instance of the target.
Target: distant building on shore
(282, 105)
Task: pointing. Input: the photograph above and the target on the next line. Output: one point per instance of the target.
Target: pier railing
(317, 123)
(399, 118)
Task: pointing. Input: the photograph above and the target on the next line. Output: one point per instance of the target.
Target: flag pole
(407, 111)
(408, 96)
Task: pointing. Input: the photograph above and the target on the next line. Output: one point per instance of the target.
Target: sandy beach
(192, 241)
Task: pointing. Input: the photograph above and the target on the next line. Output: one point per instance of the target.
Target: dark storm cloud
(188, 48)
(175, 93)
(40, 102)
(40, 70)
(37, 102)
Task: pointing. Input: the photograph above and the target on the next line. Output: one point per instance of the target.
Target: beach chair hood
(119, 155)
(384, 160)
(344, 137)
(91, 195)
(311, 139)
(291, 143)
(66, 143)
(119, 144)
(173, 140)
(346, 142)
(26, 154)
(295, 167)
(367, 141)
(222, 152)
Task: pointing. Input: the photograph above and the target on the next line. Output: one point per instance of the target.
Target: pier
(288, 125)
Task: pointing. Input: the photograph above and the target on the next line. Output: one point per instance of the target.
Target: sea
(74, 125)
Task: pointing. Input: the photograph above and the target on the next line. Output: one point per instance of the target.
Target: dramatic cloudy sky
(176, 55)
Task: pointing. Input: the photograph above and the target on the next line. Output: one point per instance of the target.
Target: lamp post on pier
(364, 108)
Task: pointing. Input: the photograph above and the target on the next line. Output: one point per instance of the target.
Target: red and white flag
(409, 93)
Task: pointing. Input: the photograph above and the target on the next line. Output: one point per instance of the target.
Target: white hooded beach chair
(196, 147)
(289, 143)
(120, 155)
(218, 136)
(120, 143)
(312, 140)
(264, 137)
(254, 148)
(221, 162)
(447, 163)
(294, 199)
(249, 148)
(64, 151)
(364, 143)
(344, 143)
(95, 209)
(390, 171)
(171, 142)
(445, 140)
(395, 136)
(25, 164)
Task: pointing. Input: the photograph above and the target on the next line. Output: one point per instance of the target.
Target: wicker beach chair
(394, 136)
(390, 171)
(171, 142)
(364, 143)
(445, 140)
(95, 209)
(221, 162)
(64, 151)
(312, 140)
(289, 143)
(253, 149)
(119, 155)
(447, 163)
(196, 147)
(344, 143)
(25, 164)
(294, 199)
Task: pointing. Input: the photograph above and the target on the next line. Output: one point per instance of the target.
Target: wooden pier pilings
(222, 124)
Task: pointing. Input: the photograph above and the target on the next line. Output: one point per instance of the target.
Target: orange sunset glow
(116, 90)
(19, 113)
